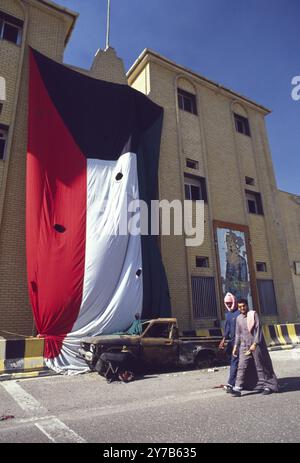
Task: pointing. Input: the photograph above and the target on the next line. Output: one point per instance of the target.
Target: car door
(157, 345)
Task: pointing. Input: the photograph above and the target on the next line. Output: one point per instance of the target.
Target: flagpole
(108, 24)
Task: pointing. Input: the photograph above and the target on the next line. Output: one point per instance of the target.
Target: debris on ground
(6, 417)
(211, 370)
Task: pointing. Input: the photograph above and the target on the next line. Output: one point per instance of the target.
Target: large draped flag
(93, 147)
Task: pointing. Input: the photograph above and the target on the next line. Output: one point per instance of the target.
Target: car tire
(100, 366)
(204, 359)
(126, 376)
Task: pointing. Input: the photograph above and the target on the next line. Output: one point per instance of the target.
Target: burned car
(157, 345)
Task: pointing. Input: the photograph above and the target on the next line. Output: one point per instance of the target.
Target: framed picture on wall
(234, 261)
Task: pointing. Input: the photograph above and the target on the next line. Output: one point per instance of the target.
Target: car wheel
(100, 366)
(204, 359)
(126, 376)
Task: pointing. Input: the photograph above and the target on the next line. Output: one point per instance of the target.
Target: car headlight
(89, 356)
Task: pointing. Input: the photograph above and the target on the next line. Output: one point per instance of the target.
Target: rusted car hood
(110, 338)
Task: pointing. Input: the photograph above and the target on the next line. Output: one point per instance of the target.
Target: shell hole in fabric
(33, 286)
(59, 228)
(119, 176)
(138, 272)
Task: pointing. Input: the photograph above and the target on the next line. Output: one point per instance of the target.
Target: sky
(249, 46)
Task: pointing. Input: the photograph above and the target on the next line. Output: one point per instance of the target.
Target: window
(202, 261)
(3, 140)
(250, 181)
(241, 124)
(159, 330)
(191, 164)
(261, 266)
(2, 89)
(267, 298)
(10, 28)
(297, 268)
(195, 188)
(187, 101)
(204, 297)
(254, 202)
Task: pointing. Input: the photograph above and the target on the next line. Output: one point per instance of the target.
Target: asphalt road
(181, 407)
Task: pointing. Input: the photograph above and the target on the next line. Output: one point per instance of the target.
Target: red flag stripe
(55, 217)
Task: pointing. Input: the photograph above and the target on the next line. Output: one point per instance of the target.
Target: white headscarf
(230, 298)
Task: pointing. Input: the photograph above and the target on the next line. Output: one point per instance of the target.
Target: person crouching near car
(230, 303)
(249, 342)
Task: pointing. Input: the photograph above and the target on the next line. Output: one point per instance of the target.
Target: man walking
(230, 303)
(249, 342)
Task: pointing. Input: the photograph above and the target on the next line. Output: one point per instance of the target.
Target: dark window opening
(202, 262)
(241, 124)
(250, 181)
(254, 203)
(204, 297)
(297, 267)
(195, 188)
(187, 101)
(191, 164)
(261, 266)
(10, 33)
(3, 140)
(10, 28)
(159, 330)
(267, 297)
(252, 206)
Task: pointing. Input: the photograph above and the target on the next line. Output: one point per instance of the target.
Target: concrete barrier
(209, 332)
(20, 354)
(282, 336)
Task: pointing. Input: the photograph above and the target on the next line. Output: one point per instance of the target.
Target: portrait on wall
(234, 263)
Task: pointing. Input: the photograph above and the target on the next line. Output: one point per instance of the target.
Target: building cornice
(148, 56)
(72, 15)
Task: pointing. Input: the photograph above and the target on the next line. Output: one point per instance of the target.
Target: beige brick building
(216, 140)
(213, 142)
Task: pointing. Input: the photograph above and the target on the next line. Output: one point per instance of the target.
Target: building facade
(214, 147)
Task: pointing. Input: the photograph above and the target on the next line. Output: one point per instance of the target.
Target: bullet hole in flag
(119, 176)
(59, 228)
(139, 272)
(34, 286)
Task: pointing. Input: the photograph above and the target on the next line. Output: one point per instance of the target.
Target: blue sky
(250, 46)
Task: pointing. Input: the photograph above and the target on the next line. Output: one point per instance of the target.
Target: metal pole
(108, 24)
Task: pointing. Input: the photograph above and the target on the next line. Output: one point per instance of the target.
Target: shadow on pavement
(289, 384)
(285, 385)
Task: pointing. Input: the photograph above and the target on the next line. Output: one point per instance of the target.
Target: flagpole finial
(107, 25)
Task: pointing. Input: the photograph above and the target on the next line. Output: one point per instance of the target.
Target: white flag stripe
(112, 291)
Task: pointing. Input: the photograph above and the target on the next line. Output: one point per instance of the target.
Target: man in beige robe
(250, 343)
